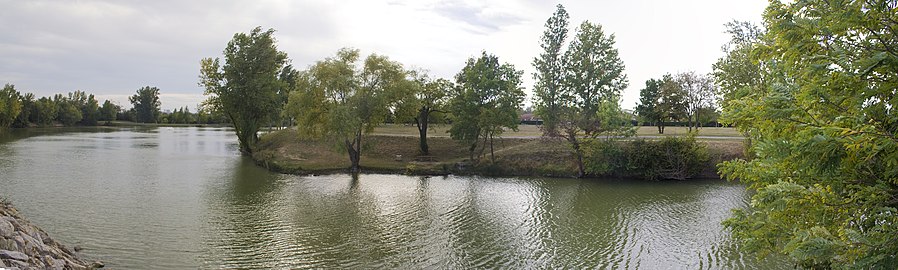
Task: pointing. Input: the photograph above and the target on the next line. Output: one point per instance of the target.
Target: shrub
(669, 158)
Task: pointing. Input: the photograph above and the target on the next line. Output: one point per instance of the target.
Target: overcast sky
(112, 48)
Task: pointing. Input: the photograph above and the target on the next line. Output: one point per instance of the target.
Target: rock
(97, 264)
(2, 264)
(6, 228)
(78, 248)
(15, 255)
(8, 244)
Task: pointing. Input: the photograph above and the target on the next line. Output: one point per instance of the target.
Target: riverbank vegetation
(814, 90)
(286, 151)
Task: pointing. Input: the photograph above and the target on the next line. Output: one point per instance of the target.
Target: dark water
(173, 198)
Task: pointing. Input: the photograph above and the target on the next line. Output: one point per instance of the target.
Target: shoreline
(285, 152)
(23, 245)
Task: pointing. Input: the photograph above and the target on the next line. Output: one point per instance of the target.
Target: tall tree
(485, 102)
(426, 97)
(108, 111)
(28, 107)
(88, 106)
(823, 120)
(593, 84)
(338, 100)
(550, 69)
(649, 108)
(246, 87)
(10, 105)
(672, 103)
(45, 111)
(146, 104)
(68, 114)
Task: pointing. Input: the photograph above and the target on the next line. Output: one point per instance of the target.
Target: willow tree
(822, 117)
(246, 87)
(337, 99)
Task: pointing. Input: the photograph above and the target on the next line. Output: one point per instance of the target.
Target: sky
(113, 48)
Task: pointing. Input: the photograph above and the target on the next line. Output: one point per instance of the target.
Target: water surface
(182, 198)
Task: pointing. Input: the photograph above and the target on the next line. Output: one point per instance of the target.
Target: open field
(532, 131)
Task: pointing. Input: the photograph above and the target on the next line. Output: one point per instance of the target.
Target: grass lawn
(532, 131)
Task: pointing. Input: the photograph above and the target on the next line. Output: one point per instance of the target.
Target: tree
(340, 101)
(823, 122)
(108, 111)
(23, 120)
(550, 69)
(146, 104)
(67, 113)
(485, 102)
(649, 108)
(45, 111)
(88, 106)
(698, 93)
(10, 105)
(672, 103)
(426, 98)
(593, 84)
(246, 87)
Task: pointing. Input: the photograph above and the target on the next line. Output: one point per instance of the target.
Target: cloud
(115, 47)
(480, 18)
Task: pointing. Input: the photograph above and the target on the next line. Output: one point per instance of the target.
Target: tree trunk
(575, 144)
(422, 122)
(354, 148)
(492, 153)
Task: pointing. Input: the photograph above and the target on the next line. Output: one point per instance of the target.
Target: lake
(183, 198)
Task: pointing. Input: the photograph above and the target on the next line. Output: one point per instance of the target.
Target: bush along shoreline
(25, 246)
(671, 158)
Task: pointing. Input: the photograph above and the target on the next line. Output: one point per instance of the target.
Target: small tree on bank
(485, 102)
(340, 101)
(246, 87)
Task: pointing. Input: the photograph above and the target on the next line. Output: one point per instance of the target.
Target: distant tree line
(78, 108)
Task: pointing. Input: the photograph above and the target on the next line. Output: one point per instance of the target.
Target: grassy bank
(532, 131)
(283, 151)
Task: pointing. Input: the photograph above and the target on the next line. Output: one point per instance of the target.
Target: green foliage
(88, 106)
(247, 88)
(146, 104)
(589, 101)
(821, 114)
(23, 120)
(550, 69)
(485, 102)
(340, 101)
(669, 158)
(108, 111)
(423, 103)
(67, 113)
(649, 97)
(45, 111)
(10, 105)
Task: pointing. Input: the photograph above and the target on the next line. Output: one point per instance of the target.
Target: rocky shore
(25, 246)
